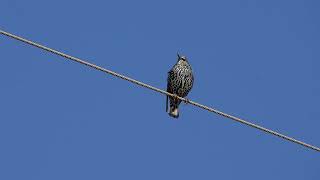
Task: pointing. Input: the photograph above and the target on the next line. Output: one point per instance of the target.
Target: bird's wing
(169, 88)
(188, 83)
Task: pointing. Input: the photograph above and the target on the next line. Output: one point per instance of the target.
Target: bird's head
(181, 58)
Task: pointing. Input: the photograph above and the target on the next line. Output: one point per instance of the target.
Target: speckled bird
(180, 81)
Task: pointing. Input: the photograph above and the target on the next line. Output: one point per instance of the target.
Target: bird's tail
(174, 111)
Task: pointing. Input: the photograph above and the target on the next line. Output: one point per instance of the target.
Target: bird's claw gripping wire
(175, 96)
(186, 101)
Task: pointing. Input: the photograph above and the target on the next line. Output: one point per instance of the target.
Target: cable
(159, 90)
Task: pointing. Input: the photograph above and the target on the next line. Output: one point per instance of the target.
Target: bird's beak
(178, 55)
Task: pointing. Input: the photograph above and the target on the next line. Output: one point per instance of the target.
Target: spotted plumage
(180, 82)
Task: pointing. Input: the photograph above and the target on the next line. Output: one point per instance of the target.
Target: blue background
(258, 60)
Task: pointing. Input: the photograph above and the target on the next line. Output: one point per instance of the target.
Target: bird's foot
(175, 96)
(187, 101)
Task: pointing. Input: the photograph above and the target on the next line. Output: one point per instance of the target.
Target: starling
(180, 82)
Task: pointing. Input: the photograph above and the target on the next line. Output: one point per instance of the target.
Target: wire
(159, 90)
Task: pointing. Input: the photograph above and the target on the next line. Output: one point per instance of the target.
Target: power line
(159, 90)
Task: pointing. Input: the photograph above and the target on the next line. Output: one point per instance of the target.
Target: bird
(180, 81)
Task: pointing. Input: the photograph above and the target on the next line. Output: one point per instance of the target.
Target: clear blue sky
(258, 60)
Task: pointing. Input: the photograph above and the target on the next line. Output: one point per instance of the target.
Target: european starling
(180, 82)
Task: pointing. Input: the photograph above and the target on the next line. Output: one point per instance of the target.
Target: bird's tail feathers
(174, 111)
